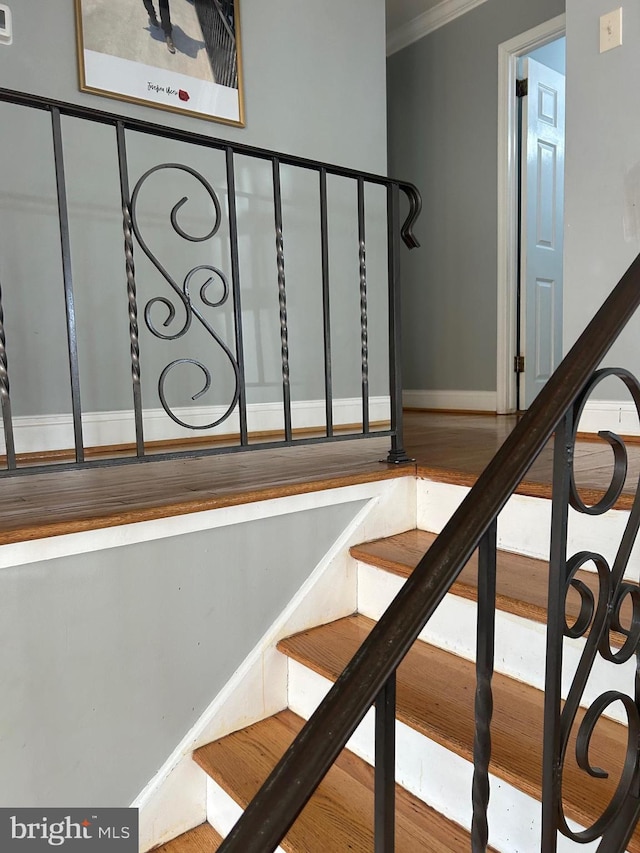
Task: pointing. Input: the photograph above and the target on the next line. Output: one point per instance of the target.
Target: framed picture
(178, 55)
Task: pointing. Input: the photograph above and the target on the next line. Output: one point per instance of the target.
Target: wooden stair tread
(521, 581)
(339, 816)
(201, 839)
(435, 696)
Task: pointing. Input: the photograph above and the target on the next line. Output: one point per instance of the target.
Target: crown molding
(427, 22)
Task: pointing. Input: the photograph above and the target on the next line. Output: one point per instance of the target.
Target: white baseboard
(619, 416)
(470, 401)
(55, 432)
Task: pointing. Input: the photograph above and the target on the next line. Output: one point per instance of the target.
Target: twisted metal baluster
(364, 330)
(484, 694)
(127, 228)
(282, 299)
(5, 398)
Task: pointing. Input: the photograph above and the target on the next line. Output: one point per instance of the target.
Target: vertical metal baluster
(282, 299)
(235, 283)
(65, 244)
(364, 328)
(5, 397)
(484, 694)
(127, 229)
(397, 454)
(551, 789)
(385, 768)
(326, 307)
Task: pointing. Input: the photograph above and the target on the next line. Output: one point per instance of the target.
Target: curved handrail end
(415, 206)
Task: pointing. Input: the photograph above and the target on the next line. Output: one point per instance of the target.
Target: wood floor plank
(40, 505)
(521, 582)
(340, 815)
(451, 448)
(202, 839)
(436, 696)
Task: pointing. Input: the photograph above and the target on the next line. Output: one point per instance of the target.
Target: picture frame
(178, 55)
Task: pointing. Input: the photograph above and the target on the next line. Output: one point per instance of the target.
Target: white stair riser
(524, 525)
(435, 775)
(520, 650)
(222, 810)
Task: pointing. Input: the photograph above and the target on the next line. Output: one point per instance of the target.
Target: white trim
(427, 22)
(619, 416)
(508, 53)
(470, 401)
(85, 542)
(55, 432)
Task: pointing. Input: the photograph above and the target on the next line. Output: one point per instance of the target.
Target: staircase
(436, 685)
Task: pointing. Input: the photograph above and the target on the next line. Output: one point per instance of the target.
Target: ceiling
(399, 12)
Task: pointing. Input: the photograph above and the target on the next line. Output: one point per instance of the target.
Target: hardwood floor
(457, 447)
(454, 447)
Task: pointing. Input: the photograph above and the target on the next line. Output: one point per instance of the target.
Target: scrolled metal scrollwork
(163, 327)
(598, 620)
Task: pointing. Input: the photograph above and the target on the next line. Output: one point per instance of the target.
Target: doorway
(529, 293)
(541, 108)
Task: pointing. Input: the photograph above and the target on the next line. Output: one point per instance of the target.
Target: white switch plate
(611, 30)
(6, 30)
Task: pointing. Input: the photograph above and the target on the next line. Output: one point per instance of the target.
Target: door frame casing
(508, 53)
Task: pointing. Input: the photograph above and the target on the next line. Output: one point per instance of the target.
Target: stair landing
(448, 447)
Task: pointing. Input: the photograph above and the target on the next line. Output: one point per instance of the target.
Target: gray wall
(308, 92)
(304, 81)
(109, 658)
(442, 94)
(602, 219)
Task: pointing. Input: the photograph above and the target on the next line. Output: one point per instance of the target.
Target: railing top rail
(293, 780)
(103, 117)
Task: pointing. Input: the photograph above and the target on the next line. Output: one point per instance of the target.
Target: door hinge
(518, 364)
(522, 88)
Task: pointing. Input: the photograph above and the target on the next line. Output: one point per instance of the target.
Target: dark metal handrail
(180, 299)
(275, 807)
(103, 117)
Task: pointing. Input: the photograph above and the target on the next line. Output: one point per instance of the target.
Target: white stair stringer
(175, 800)
(520, 643)
(437, 776)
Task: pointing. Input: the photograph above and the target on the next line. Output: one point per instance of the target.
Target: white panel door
(542, 225)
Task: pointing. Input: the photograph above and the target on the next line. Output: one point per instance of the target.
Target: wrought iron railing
(370, 676)
(181, 305)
